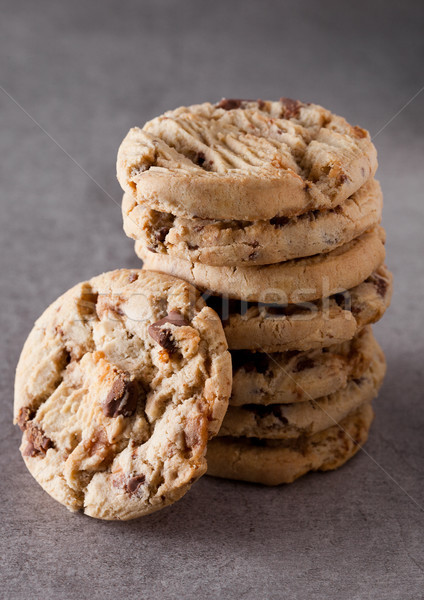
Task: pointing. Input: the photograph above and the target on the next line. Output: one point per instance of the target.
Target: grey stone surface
(87, 71)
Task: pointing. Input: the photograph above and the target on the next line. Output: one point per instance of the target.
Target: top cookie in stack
(272, 210)
(216, 183)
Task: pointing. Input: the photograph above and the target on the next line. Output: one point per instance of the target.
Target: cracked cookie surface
(245, 160)
(246, 243)
(120, 385)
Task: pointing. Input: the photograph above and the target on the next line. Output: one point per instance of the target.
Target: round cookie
(267, 328)
(119, 386)
(245, 160)
(234, 243)
(288, 377)
(286, 421)
(298, 280)
(272, 462)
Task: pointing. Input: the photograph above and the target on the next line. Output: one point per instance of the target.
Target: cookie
(119, 386)
(288, 377)
(234, 243)
(272, 462)
(268, 328)
(286, 421)
(245, 160)
(298, 280)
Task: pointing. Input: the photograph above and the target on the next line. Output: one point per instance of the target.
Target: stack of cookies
(258, 224)
(272, 211)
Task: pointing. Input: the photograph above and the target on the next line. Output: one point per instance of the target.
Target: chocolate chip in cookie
(37, 441)
(163, 336)
(121, 399)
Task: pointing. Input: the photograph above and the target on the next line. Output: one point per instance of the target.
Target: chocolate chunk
(165, 340)
(380, 285)
(342, 178)
(279, 222)
(303, 364)
(164, 336)
(25, 415)
(344, 300)
(291, 108)
(199, 159)
(174, 318)
(132, 277)
(38, 443)
(231, 103)
(121, 400)
(161, 234)
(132, 486)
(255, 253)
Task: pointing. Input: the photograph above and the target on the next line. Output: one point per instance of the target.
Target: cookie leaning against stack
(119, 386)
(271, 209)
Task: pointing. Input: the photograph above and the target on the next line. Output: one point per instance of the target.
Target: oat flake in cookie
(119, 386)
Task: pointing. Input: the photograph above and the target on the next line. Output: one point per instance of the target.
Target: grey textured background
(87, 71)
